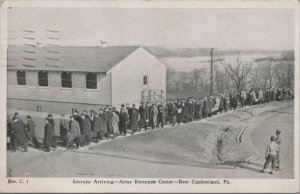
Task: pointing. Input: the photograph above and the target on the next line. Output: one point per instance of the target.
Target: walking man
(30, 131)
(20, 133)
(271, 155)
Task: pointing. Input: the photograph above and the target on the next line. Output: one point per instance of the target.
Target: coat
(95, 125)
(30, 128)
(20, 132)
(115, 123)
(109, 116)
(48, 134)
(144, 113)
(103, 122)
(63, 128)
(86, 126)
(174, 114)
(123, 119)
(134, 119)
(74, 130)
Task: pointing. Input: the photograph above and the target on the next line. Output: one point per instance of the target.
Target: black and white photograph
(150, 93)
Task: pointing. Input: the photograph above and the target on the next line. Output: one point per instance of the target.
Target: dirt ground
(182, 151)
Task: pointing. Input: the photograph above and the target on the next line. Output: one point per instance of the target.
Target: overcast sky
(220, 28)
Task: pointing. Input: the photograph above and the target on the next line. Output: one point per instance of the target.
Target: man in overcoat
(74, 133)
(63, 129)
(48, 135)
(21, 138)
(134, 119)
(103, 123)
(86, 128)
(30, 131)
(123, 121)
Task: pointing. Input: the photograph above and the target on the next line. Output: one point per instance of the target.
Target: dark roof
(54, 58)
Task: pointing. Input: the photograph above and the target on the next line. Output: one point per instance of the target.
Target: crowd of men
(108, 123)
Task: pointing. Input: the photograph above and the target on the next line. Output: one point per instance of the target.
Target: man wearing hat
(63, 129)
(48, 137)
(134, 119)
(20, 133)
(51, 121)
(30, 131)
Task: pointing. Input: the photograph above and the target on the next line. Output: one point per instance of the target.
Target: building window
(21, 78)
(43, 78)
(91, 81)
(66, 80)
(145, 80)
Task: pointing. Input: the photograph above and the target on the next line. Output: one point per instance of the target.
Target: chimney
(103, 43)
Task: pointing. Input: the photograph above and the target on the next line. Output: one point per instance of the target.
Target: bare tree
(195, 76)
(238, 72)
(221, 80)
(267, 72)
(170, 78)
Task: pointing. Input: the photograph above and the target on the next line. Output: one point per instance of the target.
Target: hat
(92, 111)
(16, 114)
(49, 115)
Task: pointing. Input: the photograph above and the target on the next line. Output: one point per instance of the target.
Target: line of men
(108, 123)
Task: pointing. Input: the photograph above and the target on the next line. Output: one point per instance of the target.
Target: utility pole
(211, 72)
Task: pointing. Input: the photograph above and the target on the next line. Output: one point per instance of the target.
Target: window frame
(22, 78)
(90, 81)
(43, 79)
(70, 84)
(145, 81)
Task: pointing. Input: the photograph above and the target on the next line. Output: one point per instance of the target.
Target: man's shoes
(271, 172)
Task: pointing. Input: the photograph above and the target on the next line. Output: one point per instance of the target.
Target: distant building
(59, 79)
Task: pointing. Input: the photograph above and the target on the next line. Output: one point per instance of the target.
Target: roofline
(56, 70)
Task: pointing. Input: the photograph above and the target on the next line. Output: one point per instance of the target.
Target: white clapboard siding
(77, 94)
(127, 77)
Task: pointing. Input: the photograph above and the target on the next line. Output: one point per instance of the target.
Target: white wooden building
(59, 79)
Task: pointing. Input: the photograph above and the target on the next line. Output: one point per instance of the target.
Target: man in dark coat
(30, 131)
(174, 113)
(86, 127)
(162, 114)
(95, 126)
(21, 138)
(197, 110)
(134, 119)
(123, 116)
(48, 135)
(191, 110)
(144, 116)
(184, 112)
(63, 129)
(74, 133)
(51, 121)
(103, 123)
(109, 116)
(129, 112)
(10, 134)
(78, 119)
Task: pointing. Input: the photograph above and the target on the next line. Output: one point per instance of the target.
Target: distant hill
(163, 52)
